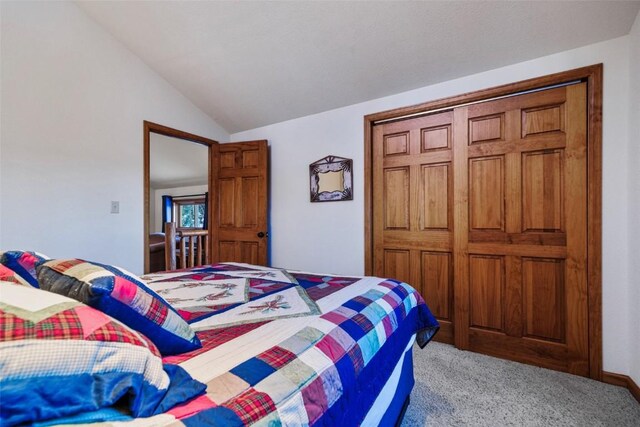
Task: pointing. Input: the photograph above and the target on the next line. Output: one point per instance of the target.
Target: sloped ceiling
(249, 64)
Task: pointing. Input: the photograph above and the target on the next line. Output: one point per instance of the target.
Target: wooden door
(520, 220)
(240, 218)
(413, 209)
(483, 208)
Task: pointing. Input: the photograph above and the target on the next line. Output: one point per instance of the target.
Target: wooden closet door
(413, 209)
(520, 220)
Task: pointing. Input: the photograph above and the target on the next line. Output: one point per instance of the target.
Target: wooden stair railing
(176, 243)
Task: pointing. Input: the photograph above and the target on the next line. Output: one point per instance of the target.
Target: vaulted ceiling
(248, 64)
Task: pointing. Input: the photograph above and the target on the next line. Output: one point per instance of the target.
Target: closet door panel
(543, 191)
(396, 195)
(396, 144)
(486, 193)
(436, 282)
(524, 253)
(483, 209)
(544, 298)
(436, 138)
(435, 200)
(397, 265)
(486, 281)
(413, 209)
(486, 129)
(540, 120)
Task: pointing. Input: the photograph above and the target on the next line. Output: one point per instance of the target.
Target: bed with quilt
(223, 345)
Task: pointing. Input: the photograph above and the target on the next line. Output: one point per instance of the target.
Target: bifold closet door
(483, 209)
(413, 209)
(521, 228)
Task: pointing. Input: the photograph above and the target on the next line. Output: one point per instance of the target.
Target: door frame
(592, 75)
(149, 128)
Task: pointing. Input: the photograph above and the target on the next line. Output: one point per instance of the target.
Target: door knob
(262, 234)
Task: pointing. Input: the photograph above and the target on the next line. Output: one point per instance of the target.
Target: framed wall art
(331, 179)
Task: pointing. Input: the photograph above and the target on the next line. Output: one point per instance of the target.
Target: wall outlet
(115, 207)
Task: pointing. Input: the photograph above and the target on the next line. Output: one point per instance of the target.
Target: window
(189, 213)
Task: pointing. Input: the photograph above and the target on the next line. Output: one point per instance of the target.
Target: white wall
(73, 102)
(156, 198)
(634, 205)
(300, 229)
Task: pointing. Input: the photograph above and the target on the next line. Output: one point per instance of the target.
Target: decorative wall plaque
(331, 179)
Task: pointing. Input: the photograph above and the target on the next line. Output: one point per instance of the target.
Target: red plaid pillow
(79, 359)
(121, 295)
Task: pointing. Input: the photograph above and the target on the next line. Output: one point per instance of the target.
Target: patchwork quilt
(286, 347)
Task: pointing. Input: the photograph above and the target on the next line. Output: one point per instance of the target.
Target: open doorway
(177, 191)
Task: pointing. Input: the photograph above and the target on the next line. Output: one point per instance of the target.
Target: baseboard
(622, 381)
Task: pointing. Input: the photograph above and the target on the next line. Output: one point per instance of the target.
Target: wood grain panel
(418, 160)
(396, 198)
(513, 175)
(249, 252)
(428, 121)
(227, 190)
(250, 187)
(486, 193)
(397, 265)
(519, 250)
(435, 199)
(594, 220)
(542, 120)
(243, 202)
(227, 251)
(445, 334)
(436, 240)
(250, 159)
(435, 138)
(577, 335)
(227, 160)
(527, 101)
(529, 238)
(542, 191)
(533, 143)
(486, 283)
(461, 294)
(513, 296)
(524, 350)
(436, 283)
(485, 129)
(396, 144)
(544, 302)
(537, 131)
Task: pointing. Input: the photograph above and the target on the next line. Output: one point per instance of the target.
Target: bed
(283, 347)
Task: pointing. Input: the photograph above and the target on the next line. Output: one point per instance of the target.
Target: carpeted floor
(460, 388)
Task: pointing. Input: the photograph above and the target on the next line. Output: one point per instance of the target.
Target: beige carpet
(459, 388)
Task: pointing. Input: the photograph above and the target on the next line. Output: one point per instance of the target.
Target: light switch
(115, 207)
